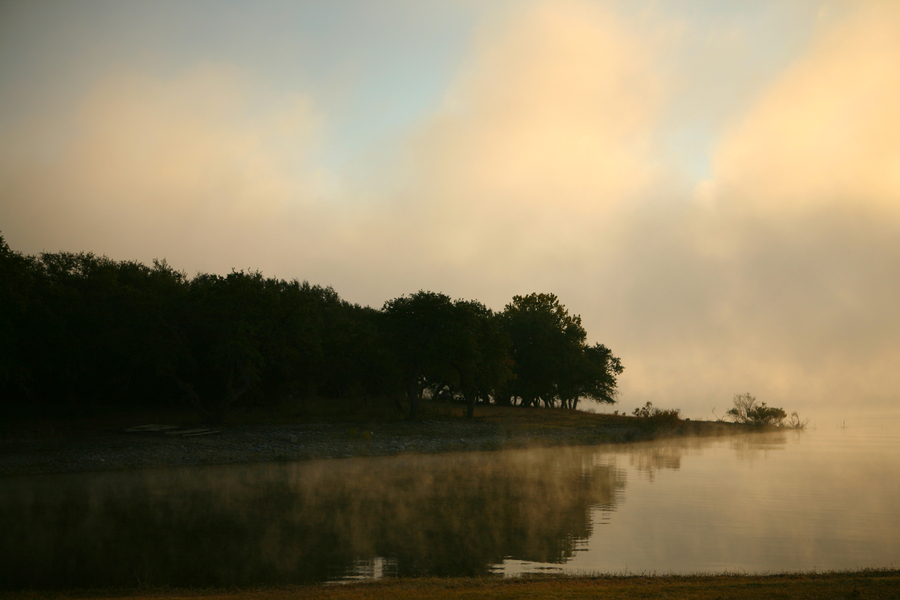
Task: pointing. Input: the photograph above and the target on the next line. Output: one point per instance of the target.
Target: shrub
(747, 410)
(794, 422)
(658, 415)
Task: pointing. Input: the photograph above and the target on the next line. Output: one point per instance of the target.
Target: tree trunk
(412, 392)
(470, 405)
(231, 395)
(188, 390)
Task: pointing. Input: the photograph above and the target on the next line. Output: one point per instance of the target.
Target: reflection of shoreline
(749, 448)
(438, 515)
(666, 454)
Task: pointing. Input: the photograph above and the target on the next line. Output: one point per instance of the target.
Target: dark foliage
(551, 361)
(81, 333)
(747, 410)
(658, 416)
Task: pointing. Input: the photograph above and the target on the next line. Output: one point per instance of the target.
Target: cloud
(145, 165)
(790, 264)
(548, 126)
(829, 128)
(545, 133)
(542, 170)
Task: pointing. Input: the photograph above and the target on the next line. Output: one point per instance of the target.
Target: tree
(357, 360)
(244, 335)
(596, 377)
(746, 410)
(419, 332)
(552, 362)
(87, 331)
(16, 297)
(292, 338)
(441, 344)
(546, 342)
(81, 331)
(477, 351)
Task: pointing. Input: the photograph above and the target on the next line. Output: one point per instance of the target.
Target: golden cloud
(186, 165)
(199, 138)
(828, 129)
(548, 125)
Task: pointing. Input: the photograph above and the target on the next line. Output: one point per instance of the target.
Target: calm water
(827, 498)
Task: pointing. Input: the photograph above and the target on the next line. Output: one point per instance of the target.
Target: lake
(826, 498)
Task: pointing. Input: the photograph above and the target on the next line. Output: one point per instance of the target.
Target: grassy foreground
(875, 584)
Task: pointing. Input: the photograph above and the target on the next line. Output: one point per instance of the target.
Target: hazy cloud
(828, 129)
(794, 243)
(544, 169)
(546, 132)
(147, 166)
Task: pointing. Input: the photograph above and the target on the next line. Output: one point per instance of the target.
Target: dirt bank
(118, 448)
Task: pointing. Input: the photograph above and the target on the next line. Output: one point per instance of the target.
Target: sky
(713, 186)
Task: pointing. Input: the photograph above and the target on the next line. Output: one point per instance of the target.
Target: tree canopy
(445, 345)
(83, 332)
(553, 363)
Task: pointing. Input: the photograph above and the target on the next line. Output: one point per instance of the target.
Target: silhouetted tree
(419, 332)
(546, 343)
(16, 298)
(244, 333)
(552, 361)
(357, 360)
(80, 331)
(477, 351)
(597, 376)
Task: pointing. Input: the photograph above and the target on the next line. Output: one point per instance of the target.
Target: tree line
(79, 330)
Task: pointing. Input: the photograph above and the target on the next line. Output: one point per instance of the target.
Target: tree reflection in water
(452, 514)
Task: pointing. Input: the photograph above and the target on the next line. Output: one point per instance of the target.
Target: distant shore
(113, 447)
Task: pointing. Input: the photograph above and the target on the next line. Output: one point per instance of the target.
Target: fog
(311, 521)
(714, 190)
(783, 501)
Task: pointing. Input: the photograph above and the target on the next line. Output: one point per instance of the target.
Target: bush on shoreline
(748, 411)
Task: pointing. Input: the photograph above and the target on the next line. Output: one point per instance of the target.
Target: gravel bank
(118, 449)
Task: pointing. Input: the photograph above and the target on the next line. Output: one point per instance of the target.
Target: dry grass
(50, 424)
(385, 410)
(516, 421)
(882, 584)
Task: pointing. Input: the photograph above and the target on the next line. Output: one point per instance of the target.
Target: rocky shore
(122, 449)
(117, 449)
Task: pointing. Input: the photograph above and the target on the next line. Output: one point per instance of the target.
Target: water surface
(823, 499)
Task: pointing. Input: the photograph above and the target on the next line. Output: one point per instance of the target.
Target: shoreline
(117, 449)
(864, 583)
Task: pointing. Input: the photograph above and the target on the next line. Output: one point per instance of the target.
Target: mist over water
(826, 498)
(454, 514)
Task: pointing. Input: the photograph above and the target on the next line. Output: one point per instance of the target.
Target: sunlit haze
(713, 186)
